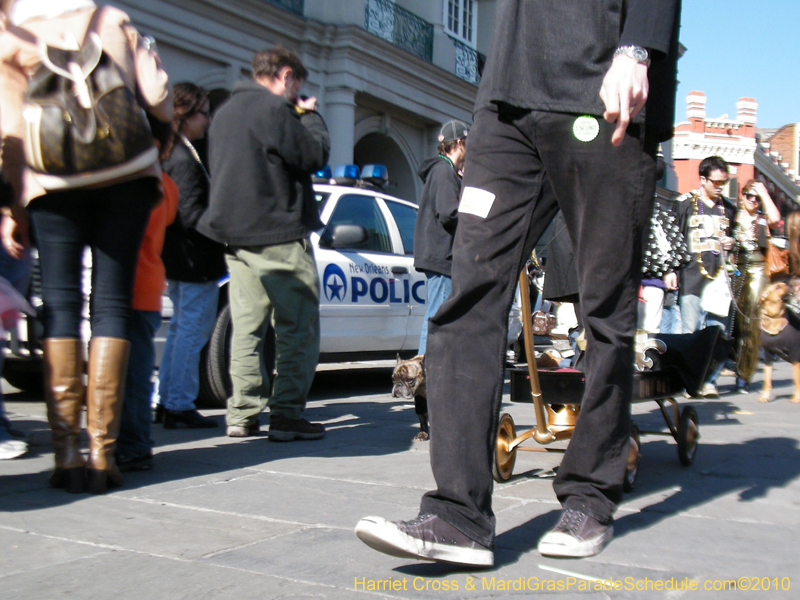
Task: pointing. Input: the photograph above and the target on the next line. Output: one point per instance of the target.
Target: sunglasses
(717, 182)
(751, 197)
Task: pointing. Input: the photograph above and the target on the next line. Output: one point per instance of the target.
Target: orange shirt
(151, 277)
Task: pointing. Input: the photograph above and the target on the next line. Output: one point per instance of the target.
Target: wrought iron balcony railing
(402, 28)
(469, 62)
(296, 6)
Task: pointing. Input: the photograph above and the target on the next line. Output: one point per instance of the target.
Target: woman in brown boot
(96, 194)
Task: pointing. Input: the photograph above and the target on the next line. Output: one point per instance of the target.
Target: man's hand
(624, 92)
(727, 242)
(307, 103)
(670, 281)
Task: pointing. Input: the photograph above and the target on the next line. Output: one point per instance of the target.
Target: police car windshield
(322, 198)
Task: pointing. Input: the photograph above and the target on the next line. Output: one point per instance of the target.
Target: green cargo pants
(275, 285)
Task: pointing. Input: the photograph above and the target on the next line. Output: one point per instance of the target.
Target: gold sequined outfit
(748, 284)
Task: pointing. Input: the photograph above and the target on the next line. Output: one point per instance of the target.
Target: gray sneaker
(427, 537)
(576, 535)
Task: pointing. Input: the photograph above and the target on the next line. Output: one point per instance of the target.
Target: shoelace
(416, 521)
(571, 520)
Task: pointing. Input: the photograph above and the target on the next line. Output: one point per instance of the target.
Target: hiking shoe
(240, 431)
(282, 429)
(576, 535)
(191, 419)
(428, 537)
(142, 462)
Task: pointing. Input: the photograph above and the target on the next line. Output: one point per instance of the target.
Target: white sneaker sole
(384, 536)
(11, 449)
(560, 544)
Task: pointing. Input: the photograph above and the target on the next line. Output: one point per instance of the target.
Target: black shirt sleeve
(650, 24)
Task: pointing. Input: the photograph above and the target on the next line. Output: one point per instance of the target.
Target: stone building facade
(387, 73)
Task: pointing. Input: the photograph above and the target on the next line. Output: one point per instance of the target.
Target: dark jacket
(569, 47)
(262, 153)
(188, 255)
(437, 217)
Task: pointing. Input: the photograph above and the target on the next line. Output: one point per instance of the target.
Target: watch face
(639, 53)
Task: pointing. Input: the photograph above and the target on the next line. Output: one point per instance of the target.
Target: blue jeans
(111, 222)
(671, 319)
(439, 287)
(134, 433)
(17, 272)
(694, 317)
(194, 312)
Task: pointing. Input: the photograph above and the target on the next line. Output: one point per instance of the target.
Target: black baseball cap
(452, 131)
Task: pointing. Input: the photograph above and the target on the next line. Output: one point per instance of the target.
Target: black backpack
(83, 125)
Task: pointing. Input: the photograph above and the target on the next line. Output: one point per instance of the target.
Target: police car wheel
(216, 385)
(215, 380)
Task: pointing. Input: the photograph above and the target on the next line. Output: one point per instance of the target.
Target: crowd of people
(117, 169)
(558, 128)
(707, 264)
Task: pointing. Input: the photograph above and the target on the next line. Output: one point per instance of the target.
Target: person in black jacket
(193, 264)
(561, 99)
(434, 231)
(438, 216)
(264, 144)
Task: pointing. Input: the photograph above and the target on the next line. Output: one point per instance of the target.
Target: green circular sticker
(586, 128)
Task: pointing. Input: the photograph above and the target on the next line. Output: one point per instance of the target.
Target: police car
(372, 300)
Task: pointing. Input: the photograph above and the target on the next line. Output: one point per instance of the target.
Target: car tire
(215, 378)
(25, 375)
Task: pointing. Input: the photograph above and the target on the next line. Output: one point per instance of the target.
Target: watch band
(637, 53)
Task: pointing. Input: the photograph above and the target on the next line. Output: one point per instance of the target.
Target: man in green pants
(264, 144)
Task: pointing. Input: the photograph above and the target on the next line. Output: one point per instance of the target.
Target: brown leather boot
(64, 392)
(105, 391)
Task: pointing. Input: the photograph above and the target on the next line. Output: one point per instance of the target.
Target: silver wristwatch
(637, 53)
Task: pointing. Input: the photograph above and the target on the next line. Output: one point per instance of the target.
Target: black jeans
(605, 193)
(109, 220)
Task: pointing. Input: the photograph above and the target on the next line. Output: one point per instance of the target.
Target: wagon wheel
(503, 464)
(688, 435)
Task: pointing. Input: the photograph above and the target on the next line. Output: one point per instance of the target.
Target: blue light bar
(324, 173)
(376, 174)
(346, 172)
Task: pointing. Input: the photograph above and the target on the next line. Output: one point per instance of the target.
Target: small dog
(780, 337)
(408, 381)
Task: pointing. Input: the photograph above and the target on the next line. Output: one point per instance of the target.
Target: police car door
(362, 302)
(404, 216)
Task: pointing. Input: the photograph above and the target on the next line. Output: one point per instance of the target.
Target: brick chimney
(746, 113)
(696, 110)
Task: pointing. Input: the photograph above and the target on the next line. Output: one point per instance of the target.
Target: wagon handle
(543, 435)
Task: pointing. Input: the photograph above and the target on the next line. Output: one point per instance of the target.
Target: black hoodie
(437, 217)
(262, 152)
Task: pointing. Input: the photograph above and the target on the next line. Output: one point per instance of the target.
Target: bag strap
(94, 22)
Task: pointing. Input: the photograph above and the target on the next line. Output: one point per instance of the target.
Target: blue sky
(742, 48)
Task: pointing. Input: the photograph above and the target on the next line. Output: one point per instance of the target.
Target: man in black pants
(561, 100)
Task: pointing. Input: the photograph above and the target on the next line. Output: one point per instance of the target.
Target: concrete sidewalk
(224, 518)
